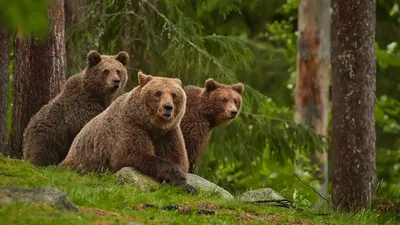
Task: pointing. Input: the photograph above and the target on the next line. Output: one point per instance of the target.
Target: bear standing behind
(207, 108)
(50, 132)
(140, 129)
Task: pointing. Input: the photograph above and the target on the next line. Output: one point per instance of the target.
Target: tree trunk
(132, 43)
(353, 122)
(4, 73)
(75, 11)
(39, 74)
(312, 88)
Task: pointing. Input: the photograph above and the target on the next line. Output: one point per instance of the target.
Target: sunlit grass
(101, 200)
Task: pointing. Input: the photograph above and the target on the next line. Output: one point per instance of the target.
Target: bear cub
(140, 129)
(207, 108)
(50, 132)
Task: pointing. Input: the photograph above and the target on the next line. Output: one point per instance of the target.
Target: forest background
(254, 42)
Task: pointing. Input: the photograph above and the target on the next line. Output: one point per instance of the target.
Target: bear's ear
(143, 78)
(123, 57)
(178, 81)
(238, 87)
(93, 58)
(211, 85)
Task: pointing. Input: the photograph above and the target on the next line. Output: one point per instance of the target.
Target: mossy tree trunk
(353, 99)
(4, 75)
(312, 94)
(39, 74)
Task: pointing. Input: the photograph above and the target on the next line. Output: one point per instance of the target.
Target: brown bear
(207, 108)
(140, 129)
(50, 132)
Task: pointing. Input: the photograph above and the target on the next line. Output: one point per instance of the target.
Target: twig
(310, 187)
(281, 202)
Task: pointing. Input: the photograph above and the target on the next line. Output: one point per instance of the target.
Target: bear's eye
(106, 72)
(225, 100)
(173, 95)
(118, 72)
(235, 101)
(158, 94)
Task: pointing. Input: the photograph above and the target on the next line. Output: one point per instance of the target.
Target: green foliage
(29, 17)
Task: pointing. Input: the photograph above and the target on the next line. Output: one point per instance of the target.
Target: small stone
(51, 196)
(129, 175)
(207, 186)
(261, 194)
(133, 223)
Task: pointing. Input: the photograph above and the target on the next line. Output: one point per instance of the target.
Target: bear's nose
(233, 113)
(116, 81)
(168, 107)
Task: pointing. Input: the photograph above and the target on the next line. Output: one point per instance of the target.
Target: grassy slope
(103, 201)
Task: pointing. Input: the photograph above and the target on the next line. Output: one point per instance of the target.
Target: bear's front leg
(173, 149)
(151, 165)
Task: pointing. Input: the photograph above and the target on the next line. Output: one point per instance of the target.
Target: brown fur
(207, 108)
(50, 132)
(133, 132)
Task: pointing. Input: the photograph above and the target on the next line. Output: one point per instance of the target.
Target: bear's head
(223, 102)
(164, 99)
(106, 74)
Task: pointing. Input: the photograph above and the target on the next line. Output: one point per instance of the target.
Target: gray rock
(133, 223)
(204, 185)
(261, 194)
(129, 175)
(50, 196)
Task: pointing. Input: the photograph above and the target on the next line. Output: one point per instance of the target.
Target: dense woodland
(321, 99)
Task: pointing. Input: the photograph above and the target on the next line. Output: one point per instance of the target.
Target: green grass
(102, 200)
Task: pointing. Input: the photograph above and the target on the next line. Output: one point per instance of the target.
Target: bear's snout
(167, 110)
(233, 113)
(116, 82)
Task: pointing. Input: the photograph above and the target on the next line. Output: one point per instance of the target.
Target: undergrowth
(101, 200)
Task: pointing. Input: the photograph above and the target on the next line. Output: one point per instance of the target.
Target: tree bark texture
(75, 11)
(131, 42)
(312, 85)
(353, 122)
(39, 74)
(4, 75)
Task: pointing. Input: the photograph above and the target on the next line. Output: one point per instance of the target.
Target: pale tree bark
(312, 85)
(4, 75)
(353, 99)
(39, 74)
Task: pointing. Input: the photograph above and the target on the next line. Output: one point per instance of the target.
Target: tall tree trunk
(312, 88)
(132, 43)
(39, 74)
(353, 122)
(4, 73)
(75, 11)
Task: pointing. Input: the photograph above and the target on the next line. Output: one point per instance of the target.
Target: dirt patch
(201, 205)
(101, 212)
(99, 223)
(248, 217)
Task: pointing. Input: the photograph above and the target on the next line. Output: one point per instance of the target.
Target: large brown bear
(207, 108)
(50, 132)
(140, 129)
